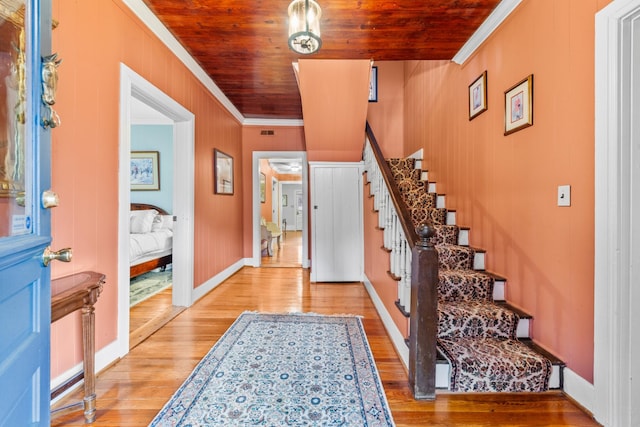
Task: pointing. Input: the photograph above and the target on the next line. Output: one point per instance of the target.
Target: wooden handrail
(403, 213)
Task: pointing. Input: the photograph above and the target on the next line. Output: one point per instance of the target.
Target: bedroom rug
(147, 285)
(283, 370)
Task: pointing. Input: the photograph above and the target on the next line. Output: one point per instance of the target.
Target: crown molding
(153, 23)
(493, 21)
(272, 122)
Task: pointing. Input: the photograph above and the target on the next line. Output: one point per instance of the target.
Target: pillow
(162, 222)
(142, 221)
(141, 212)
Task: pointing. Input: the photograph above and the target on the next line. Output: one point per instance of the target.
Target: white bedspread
(149, 244)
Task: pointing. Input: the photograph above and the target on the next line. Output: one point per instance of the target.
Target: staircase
(483, 343)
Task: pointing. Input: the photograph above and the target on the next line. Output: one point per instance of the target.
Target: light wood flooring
(133, 390)
(289, 254)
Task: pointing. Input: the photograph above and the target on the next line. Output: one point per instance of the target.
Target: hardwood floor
(146, 317)
(133, 390)
(289, 254)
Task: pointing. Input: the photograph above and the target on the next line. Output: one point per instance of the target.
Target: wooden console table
(80, 292)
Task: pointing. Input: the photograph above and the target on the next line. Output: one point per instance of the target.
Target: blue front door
(25, 295)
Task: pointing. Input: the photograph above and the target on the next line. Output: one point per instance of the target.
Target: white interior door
(336, 203)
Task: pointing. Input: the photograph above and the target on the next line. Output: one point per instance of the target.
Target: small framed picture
(145, 171)
(478, 96)
(373, 85)
(284, 200)
(518, 106)
(222, 173)
(263, 188)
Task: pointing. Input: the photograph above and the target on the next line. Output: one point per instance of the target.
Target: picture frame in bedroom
(145, 171)
(222, 173)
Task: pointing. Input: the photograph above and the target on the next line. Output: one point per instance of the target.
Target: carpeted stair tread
(436, 216)
(405, 163)
(455, 257)
(494, 365)
(479, 319)
(520, 312)
(445, 234)
(461, 284)
(416, 196)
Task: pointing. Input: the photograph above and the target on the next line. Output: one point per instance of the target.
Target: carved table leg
(88, 340)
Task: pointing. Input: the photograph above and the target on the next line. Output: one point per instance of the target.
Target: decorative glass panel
(15, 215)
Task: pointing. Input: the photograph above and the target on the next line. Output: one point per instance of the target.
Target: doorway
(280, 157)
(134, 89)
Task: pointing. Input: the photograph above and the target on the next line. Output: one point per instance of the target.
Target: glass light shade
(304, 26)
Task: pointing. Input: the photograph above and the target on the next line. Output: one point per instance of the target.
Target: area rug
(283, 370)
(147, 285)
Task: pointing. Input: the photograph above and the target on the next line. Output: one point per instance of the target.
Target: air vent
(267, 132)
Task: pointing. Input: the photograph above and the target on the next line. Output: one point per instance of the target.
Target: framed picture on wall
(144, 172)
(222, 173)
(518, 106)
(478, 96)
(263, 188)
(373, 85)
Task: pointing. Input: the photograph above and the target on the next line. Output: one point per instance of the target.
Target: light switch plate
(564, 195)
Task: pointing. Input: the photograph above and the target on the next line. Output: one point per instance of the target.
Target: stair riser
(478, 261)
(523, 328)
(463, 237)
(443, 368)
(498, 290)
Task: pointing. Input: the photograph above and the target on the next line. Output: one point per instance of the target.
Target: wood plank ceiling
(242, 44)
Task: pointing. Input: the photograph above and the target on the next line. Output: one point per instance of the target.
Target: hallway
(289, 254)
(132, 391)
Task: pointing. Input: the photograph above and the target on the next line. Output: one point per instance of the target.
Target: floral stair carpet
(283, 370)
(147, 285)
(476, 335)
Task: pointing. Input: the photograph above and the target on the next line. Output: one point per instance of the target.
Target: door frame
(275, 201)
(616, 342)
(292, 200)
(132, 85)
(255, 179)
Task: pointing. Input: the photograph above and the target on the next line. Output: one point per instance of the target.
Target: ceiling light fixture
(304, 26)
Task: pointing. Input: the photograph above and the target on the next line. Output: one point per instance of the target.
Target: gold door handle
(63, 255)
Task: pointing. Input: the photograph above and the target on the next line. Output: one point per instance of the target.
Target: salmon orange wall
(93, 38)
(284, 138)
(505, 187)
(386, 116)
(376, 263)
(334, 97)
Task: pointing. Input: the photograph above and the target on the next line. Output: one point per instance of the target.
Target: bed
(150, 238)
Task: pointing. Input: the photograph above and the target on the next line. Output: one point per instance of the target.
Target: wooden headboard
(144, 206)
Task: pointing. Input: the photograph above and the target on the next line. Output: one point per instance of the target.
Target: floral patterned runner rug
(283, 370)
(147, 285)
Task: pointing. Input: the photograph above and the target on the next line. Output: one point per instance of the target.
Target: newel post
(424, 316)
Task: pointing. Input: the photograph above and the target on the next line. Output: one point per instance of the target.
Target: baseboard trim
(104, 358)
(397, 339)
(216, 280)
(579, 390)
